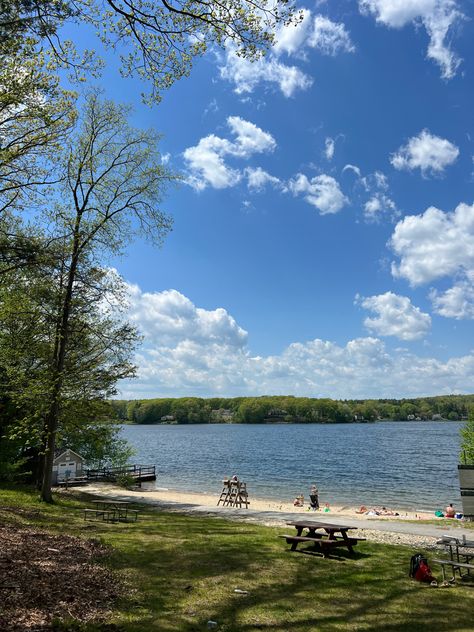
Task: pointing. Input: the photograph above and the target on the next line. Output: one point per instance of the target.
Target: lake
(410, 465)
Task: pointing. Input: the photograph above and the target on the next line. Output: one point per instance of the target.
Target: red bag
(423, 572)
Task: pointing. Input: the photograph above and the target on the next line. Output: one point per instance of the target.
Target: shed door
(66, 470)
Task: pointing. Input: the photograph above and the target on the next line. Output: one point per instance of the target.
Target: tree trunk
(52, 418)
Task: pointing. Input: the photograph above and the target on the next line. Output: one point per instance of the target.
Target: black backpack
(415, 563)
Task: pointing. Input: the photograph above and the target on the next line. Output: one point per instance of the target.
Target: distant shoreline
(289, 410)
(289, 423)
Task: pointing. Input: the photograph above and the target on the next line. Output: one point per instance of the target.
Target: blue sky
(323, 240)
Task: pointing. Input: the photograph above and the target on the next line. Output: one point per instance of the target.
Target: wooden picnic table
(110, 504)
(112, 510)
(461, 556)
(322, 535)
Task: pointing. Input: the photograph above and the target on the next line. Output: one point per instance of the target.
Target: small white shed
(67, 465)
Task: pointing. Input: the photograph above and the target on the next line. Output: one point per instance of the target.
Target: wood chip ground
(45, 577)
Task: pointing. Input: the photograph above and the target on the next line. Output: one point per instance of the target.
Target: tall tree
(100, 345)
(114, 182)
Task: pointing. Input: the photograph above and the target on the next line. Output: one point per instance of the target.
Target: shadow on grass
(182, 571)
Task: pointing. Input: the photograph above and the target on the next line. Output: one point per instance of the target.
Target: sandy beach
(170, 496)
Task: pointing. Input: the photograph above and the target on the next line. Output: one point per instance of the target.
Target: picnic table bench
(461, 556)
(111, 511)
(455, 565)
(99, 514)
(323, 535)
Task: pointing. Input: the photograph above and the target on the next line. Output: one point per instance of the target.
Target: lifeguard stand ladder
(234, 494)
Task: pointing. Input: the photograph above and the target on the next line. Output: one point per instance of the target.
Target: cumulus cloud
(457, 302)
(378, 205)
(322, 192)
(434, 245)
(258, 179)
(437, 16)
(192, 351)
(396, 316)
(169, 318)
(292, 38)
(206, 162)
(247, 75)
(427, 152)
(313, 32)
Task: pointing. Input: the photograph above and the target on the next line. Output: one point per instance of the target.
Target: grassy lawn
(181, 571)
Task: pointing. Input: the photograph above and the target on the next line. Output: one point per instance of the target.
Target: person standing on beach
(314, 497)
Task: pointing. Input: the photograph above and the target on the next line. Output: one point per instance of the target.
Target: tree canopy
(162, 36)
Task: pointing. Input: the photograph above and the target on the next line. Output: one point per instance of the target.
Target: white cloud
(191, 351)
(206, 164)
(457, 302)
(427, 152)
(329, 147)
(396, 316)
(246, 75)
(169, 318)
(378, 205)
(354, 168)
(205, 160)
(250, 139)
(291, 38)
(318, 32)
(437, 16)
(257, 179)
(330, 37)
(322, 192)
(434, 245)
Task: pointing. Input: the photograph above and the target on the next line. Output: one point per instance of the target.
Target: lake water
(409, 465)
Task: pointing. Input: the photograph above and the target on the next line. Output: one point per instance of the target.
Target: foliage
(35, 117)
(288, 409)
(467, 440)
(161, 38)
(63, 342)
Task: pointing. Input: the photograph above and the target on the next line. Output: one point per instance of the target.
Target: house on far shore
(222, 414)
(411, 417)
(436, 417)
(67, 465)
(168, 418)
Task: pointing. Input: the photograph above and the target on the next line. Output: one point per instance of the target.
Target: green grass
(182, 571)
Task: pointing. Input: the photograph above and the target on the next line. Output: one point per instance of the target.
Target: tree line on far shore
(274, 409)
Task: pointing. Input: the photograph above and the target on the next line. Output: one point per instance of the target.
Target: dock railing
(140, 472)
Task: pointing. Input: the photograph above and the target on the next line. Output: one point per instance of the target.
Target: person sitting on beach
(450, 511)
(234, 479)
(387, 512)
(362, 510)
(299, 501)
(314, 498)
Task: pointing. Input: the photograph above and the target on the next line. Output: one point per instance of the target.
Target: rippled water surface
(404, 464)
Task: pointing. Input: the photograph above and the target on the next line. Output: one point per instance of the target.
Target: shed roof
(67, 454)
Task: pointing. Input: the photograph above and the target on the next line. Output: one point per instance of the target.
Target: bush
(467, 443)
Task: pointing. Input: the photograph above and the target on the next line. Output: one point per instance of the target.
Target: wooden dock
(140, 473)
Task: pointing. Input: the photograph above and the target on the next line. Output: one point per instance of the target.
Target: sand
(170, 496)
